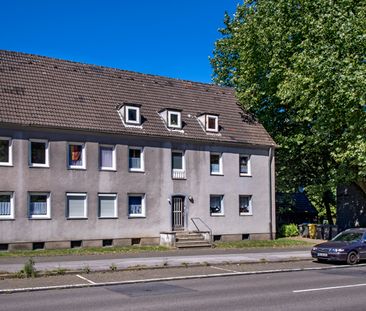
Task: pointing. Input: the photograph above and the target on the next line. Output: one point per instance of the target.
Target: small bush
(289, 230)
(28, 271)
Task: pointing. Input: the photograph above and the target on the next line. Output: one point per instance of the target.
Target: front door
(178, 212)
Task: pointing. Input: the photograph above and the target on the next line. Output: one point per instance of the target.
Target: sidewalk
(158, 259)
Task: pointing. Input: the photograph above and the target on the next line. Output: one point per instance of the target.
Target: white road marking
(85, 279)
(327, 288)
(228, 270)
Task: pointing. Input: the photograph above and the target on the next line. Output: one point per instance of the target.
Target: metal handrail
(209, 229)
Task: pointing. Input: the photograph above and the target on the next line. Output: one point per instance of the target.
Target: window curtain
(135, 205)
(4, 205)
(75, 155)
(106, 156)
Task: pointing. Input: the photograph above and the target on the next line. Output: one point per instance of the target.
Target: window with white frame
(76, 155)
(178, 165)
(244, 165)
(6, 205)
(38, 153)
(107, 157)
(136, 159)
(6, 154)
(245, 205)
(107, 205)
(174, 119)
(76, 205)
(216, 205)
(216, 164)
(212, 123)
(39, 205)
(132, 115)
(136, 205)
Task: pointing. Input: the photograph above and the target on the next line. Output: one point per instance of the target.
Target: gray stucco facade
(155, 183)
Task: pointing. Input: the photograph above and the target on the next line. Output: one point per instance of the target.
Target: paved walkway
(168, 259)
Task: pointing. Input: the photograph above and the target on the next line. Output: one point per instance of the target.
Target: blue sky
(170, 38)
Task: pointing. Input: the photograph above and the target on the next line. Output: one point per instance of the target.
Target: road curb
(200, 276)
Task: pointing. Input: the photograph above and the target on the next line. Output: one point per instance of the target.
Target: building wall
(156, 182)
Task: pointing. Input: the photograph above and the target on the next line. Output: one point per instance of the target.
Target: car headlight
(315, 248)
(336, 250)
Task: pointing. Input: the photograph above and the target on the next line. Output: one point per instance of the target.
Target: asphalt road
(338, 289)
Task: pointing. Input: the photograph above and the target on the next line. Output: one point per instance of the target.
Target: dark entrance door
(178, 212)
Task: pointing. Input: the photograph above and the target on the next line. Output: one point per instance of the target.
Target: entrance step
(191, 240)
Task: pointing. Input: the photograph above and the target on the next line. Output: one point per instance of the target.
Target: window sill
(76, 218)
(136, 216)
(246, 214)
(6, 164)
(79, 168)
(7, 218)
(39, 166)
(132, 170)
(216, 174)
(245, 175)
(108, 169)
(39, 218)
(112, 217)
(217, 215)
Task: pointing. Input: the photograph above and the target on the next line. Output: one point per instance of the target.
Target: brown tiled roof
(41, 91)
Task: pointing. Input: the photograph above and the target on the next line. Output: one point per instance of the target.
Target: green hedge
(289, 230)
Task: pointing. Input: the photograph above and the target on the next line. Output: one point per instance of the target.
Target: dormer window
(212, 123)
(132, 115)
(174, 119)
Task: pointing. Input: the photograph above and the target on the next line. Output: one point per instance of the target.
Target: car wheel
(352, 258)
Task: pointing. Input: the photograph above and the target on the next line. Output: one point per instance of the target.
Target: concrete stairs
(184, 239)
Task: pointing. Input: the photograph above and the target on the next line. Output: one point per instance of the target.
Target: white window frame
(110, 195)
(222, 213)
(143, 205)
(73, 194)
(250, 212)
(220, 172)
(83, 156)
(10, 152)
(114, 161)
(47, 157)
(48, 202)
(138, 116)
(170, 125)
(11, 216)
(176, 172)
(216, 129)
(249, 165)
(142, 161)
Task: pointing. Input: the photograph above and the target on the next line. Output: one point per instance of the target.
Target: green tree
(299, 66)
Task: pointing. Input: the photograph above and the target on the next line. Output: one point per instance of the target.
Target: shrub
(289, 230)
(28, 271)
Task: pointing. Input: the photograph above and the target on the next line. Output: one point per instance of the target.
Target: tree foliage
(299, 66)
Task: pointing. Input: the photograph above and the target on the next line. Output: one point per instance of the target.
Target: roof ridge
(114, 69)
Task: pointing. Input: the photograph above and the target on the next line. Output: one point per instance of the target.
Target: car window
(348, 236)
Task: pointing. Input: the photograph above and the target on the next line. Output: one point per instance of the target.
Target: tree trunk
(327, 199)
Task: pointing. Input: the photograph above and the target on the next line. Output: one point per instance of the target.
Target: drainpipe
(270, 163)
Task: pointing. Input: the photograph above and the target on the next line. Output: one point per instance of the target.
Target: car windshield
(348, 236)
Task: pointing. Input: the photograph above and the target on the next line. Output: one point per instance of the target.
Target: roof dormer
(130, 114)
(172, 118)
(209, 122)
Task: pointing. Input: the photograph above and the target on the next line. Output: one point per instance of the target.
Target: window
(107, 205)
(212, 123)
(136, 159)
(216, 163)
(132, 115)
(244, 165)
(216, 205)
(178, 165)
(6, 151)
(245, 205)
(76, 205)
(174, 119)
(6, 205)
(76, 155)
(38, 153)
(107, 157)
(136, 205)
(39, 205)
